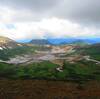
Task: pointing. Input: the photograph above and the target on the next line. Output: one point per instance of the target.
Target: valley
(60, 62)
(35, 70)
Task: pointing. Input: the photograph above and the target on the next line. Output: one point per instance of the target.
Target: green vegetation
(8, 53)
(79, 71)
(93, 51)
(35, 70)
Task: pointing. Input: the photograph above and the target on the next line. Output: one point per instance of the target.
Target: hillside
(6, 43)
(64, 62)
(11, 49)
(91, 50)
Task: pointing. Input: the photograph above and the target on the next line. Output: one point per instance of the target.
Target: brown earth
(43, 89)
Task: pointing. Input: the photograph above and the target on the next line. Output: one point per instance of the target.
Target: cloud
(47, 28)
(23, 19)
(85, 11)
(30, 9)
(36, 5)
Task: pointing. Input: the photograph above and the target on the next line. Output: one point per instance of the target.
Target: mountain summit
(39, 41)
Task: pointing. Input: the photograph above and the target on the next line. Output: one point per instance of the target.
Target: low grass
(81, 70)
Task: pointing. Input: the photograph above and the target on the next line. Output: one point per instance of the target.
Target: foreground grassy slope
(79, 71)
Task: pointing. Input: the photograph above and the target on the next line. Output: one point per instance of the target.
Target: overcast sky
(27, 19)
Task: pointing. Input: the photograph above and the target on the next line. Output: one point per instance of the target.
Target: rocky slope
(6, 43)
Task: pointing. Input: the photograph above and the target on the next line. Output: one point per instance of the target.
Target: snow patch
(1, 48)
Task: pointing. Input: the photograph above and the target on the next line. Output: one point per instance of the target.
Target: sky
(39, 19)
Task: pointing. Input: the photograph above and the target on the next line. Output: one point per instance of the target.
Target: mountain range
(9, 43)
(60, 41)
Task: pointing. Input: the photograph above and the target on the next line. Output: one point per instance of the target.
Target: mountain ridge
(7, 43)
(4, 41)
(61, 41)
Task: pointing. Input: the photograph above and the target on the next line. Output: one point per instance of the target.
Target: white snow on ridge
(1, 48)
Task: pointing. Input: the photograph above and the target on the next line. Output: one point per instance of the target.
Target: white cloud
(46, 28)
(6, 15)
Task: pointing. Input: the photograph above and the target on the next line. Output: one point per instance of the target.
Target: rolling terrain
(73, 68)
(63, 62)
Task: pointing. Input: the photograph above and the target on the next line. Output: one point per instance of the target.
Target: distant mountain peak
(39, 41)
